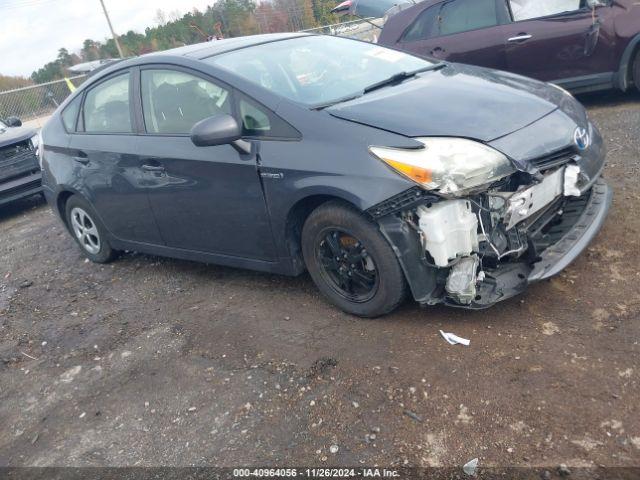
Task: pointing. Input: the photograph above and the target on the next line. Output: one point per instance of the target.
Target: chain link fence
(35, 102)
(365, 29)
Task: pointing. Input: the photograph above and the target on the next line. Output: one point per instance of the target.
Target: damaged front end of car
(481, 226)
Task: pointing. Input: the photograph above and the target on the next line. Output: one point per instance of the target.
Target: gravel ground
(150, 361)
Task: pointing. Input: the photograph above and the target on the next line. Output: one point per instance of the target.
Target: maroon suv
(582, 45)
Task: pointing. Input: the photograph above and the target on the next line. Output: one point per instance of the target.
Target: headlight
(36, 143)
(451, 166)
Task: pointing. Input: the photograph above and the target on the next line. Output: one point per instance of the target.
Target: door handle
(82, 160)
(152, 168)
(520, 38)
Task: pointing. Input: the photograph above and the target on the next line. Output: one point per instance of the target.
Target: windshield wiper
(398, 77)
(321, 106)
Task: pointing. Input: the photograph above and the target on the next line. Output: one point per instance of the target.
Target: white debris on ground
(470, 467)
(454, 339)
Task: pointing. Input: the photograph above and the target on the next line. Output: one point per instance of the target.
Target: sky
(32, 31)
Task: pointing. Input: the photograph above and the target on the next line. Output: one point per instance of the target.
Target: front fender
(422, 278)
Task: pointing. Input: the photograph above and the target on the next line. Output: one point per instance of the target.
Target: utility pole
(115, 37)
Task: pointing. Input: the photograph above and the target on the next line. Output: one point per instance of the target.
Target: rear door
(561, 39)
(465, 31)
(104, 158)
(206, 199)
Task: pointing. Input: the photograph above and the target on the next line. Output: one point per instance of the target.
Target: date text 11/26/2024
(316, 472)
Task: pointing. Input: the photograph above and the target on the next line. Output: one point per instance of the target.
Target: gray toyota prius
(378, 172)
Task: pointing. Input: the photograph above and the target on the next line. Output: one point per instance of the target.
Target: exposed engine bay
(490, 245)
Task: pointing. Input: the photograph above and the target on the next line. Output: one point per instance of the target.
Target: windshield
(317, 70)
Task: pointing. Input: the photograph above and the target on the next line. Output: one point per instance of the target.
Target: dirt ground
(151, 361)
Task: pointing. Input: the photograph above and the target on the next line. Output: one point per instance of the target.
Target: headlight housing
(451, 166)
(36, 144)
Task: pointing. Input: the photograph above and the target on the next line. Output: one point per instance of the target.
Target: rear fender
(623, 76)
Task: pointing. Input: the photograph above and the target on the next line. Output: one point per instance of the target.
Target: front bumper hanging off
(579, 223)
(557, 237)
(558, 256)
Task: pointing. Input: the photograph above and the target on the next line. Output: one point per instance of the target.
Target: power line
(27, 4)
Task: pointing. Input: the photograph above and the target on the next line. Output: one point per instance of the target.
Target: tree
(308, 19)
(64, 58)
(51, 71)
(160, 18)
(9, 83)
(236, 17)
(322, 11)
(271, 20)
(90, 50)
(109, 49)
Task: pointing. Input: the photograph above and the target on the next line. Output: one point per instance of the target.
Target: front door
(206, 199)
(564, 43)
(464, 31)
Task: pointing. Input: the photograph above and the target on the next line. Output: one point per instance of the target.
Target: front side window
(315, 70)
(528, 9)
(466, 15)
(173, 101)
(106, 107)
(70, 114)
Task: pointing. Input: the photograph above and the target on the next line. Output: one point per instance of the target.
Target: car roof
(216, 47)
(197, 52)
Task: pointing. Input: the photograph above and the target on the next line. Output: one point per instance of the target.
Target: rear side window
(70, 114)
(465, 15)
(425, 26)
(106, 107)
(528, 9)
(174, 101)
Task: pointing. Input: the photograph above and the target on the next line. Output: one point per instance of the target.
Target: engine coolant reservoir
(450, 229)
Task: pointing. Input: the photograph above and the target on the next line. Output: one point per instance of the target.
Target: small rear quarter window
(70, 114)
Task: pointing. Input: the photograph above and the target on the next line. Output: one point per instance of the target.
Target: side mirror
(13, 122)
(216, 130)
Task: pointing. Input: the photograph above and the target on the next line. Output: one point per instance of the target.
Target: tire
(351, 262)
(88, 231)
(636, 70)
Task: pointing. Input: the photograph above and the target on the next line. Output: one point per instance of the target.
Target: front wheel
(350, 261)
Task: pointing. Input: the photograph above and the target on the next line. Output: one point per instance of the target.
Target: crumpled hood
(11, 135)
(458, 100)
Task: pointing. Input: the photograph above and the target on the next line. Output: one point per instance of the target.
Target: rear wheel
(88, 231)
(350, 261)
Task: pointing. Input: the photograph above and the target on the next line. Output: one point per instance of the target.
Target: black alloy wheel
(346, 265)
(351, 261)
